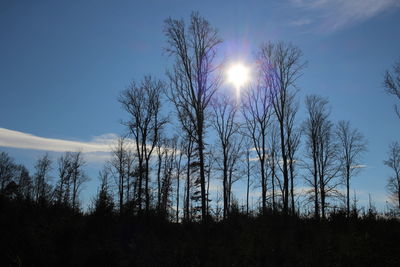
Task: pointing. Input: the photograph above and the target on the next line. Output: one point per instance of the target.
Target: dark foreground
(56, 236)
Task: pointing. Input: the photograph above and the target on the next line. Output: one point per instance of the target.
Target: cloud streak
(16, 139)
(332, 15)
(96, 150)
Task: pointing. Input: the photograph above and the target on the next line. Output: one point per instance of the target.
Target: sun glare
(238, 75)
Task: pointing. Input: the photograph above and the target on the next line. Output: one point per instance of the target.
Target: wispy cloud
(360, 166)
(96, 149)
(331, 15)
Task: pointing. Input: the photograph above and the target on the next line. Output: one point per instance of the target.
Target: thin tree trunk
(248, 183)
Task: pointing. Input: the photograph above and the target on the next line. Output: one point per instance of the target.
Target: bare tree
(392, 83)
(351, 147)
(257, 115)
(168, 172)
(393, 162)
(160, 154)
(226, 127)
(143, 103)
(192, 81)
(104, 204)
(292, 144)
(42, 188)
(249, 169)
(178, 172)
(187, 149)
(131, 174)
(317, 116)
(328, 164)
(273, 161)
(78, 177)
(24, 182)
(117, 166)
(62, 191)
(7, 168)
(281, 66)
(234, 174)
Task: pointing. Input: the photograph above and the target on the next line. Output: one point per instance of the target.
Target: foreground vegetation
(54, 235)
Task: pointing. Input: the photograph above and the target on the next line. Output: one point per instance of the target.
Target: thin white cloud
(360, 166)
(331, 15)
(16, 139)
(96, 150)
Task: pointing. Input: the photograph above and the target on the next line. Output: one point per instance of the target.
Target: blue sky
(64, 63)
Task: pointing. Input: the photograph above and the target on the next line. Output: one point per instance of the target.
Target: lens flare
(238, 75)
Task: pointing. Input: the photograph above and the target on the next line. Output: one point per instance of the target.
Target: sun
(238, 75)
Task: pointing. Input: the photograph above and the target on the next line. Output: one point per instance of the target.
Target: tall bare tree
(234, 172)
(317, 116)
(78, 177)
(160, 154)
(104, 204)
(226, 127)
(42, 188)
(352, 145)
(328, 165)
(392, 83)
(192, 78)
(63, 187)
(143, 104)
(292, 145)
(249, 169)
(393, 162)
(117, 166)
(273, 161)
(178, 172)
(24, 181)
(257, 116)
(281, 66)
(7, 168)
(187, 149)
(169, 161)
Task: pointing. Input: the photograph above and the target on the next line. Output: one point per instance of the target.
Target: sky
(63, 65)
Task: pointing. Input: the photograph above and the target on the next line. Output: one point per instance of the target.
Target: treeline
(53, 235)
(187, 134)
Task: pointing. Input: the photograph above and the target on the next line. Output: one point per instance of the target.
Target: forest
(166, 194)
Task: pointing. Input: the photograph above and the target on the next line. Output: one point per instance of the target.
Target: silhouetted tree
(292, 144)
(317, 117)
(170, 151)
(273, 161)
(249, 168)
(257, 116)
(329, 165)
(234, 172)
(104, 204)
(131, 175)
(226, 127)
(78, 177)
(392, 83)
(118, 164)
(7, 169)
(178, 171)
(393, 162)
(160, 153)
(63, 187)
(24, 181)
(143, 103)
(192, 80)
(187, 150)
(281, 66)
(351, 147)
(42, 189)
